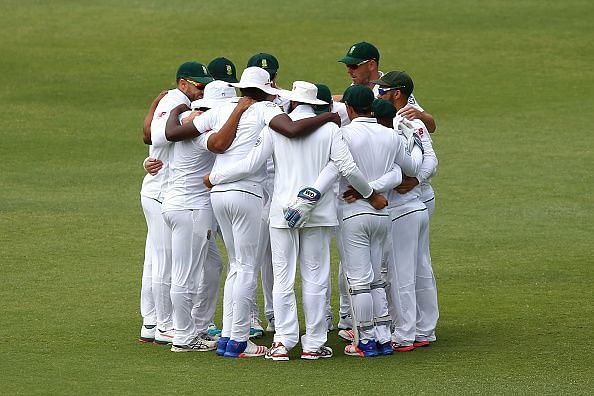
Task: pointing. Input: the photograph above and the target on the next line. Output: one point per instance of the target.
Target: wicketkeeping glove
(298, 211)
(409, 132)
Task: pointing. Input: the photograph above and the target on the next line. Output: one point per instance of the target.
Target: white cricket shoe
(345, 322)
(277, 352)
(147, 333)
(253, 350)
(270, 328)
(322, 353)
(200, 343)
(164, 337)
(347, 335)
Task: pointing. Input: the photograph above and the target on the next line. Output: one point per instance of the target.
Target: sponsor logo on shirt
(411, 100)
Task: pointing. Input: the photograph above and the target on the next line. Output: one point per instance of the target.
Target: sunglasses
(382, 91)
(355, 67)
(197, 85)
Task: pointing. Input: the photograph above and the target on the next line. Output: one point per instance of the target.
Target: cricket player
(311, 243)
(414, 300)
(362, 63)
(363, 231)
(238, 205)
(191, 78)
(222, 69)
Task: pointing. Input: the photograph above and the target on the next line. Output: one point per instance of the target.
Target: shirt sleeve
(388, 181)
(207, 121)
(250, 164)
(202, 140)
(327, 177)
(340, 109)
(429, 165)
(158, 123)
(340, 154)
(271, 110)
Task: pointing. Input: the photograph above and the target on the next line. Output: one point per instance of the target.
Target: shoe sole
(159, 342)
(178, 349)
(407, 348)
(421, 344)
(315, 357)
(281, 358)
(146, 340)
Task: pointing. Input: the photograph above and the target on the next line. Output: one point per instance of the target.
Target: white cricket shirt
(155, 186)
(256, 117)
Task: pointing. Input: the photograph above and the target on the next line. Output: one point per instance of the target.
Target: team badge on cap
(229, 70)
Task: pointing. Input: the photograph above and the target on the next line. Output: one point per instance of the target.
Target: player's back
(298, 162)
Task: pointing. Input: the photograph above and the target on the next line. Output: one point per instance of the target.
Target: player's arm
(428, 166)
(221, 140)
(284, 125)
(146, 128)
(248, 165)
(152, 165)
(388, 180)
(174, 131)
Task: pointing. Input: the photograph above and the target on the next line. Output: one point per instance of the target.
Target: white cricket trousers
(147, 301)
(411, 274)
(205, 306)
(362, 241)
(427, 308)
(264, 257)
(191, 231)
(312, 246)
(238, 214)
(159, 265)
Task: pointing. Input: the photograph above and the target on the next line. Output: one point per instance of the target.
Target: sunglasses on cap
(382, 91)
(197, 85)
(355, 67)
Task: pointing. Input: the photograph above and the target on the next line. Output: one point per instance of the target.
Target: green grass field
(510, 84)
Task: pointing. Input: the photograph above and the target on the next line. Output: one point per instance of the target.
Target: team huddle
(277, 174)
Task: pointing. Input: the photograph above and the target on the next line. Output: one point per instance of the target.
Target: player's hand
(408, 183)
(406, 128)
(409, 112)
(244, 103)
(378, 201)
(206, 181)
(298, 212)
(153, 166)
(191, 116)
(351, 195)
(335, 118)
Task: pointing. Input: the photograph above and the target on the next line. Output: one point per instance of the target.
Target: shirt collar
(365, 119)
(303, 109)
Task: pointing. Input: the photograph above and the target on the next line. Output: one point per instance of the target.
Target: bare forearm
(286, 127)
(428, 120)
(175, 132)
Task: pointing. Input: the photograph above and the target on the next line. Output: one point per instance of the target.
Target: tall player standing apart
(190, 77)
(414, 300)
(394, 87)
(238, 205)
(309, 244)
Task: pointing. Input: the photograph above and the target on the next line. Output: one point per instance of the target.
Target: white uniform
(298, 163)
(340, 108)
(238, 207)
(425, 285)
(364, 231)
(187, 211)
(159, 235)
(409, 225)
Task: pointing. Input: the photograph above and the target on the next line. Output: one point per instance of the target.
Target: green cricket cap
(358, 96)
(396, 79)
(325, 95)
(194, 71)
(383, 109)
(265, 61)
(223, 69)
(360, 53)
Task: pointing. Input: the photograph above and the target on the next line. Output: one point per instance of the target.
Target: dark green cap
(359, 96)
(194, 71)
(325, 95)
(265, 61)
(223, 69)
(383, 109)
(396, 79)
(360, 53)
